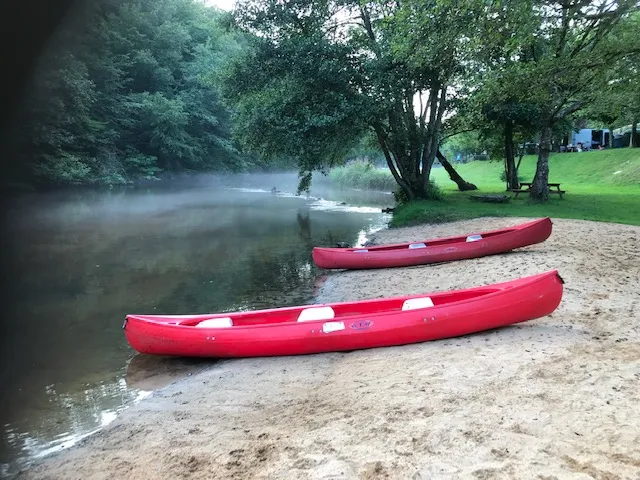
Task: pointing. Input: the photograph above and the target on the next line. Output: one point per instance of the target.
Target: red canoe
(346, 326)
(434, 251)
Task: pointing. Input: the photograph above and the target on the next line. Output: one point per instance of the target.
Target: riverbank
(602, 186)
(555, 396)
(606, 205)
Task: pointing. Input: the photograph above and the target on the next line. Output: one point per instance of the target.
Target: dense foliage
(125, 92)
(134, 89)
(555, 67)
(321, 74)
(412, 72)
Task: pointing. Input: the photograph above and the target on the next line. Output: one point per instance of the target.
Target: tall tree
(616, 101)
(573, 44)
(514, 122)
(322, 72)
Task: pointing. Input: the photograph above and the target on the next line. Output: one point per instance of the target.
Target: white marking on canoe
(329, 327)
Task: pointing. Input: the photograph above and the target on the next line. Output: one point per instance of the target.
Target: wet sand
(556, 397)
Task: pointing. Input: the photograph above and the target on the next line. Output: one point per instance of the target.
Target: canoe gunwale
(438, 250)
(500, 289)
(541, 294)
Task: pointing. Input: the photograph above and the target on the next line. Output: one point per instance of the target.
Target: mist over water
(81, 260)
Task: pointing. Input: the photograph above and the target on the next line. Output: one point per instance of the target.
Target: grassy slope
(594, 190)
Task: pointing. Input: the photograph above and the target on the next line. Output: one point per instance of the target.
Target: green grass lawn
(600, 185)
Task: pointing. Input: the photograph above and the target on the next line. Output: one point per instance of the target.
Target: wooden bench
(551, 186)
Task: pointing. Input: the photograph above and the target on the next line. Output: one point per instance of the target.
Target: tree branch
(459, 132)
(563, 32)
(366, 19)
(569, 110)
(433, 138)
(387, 155)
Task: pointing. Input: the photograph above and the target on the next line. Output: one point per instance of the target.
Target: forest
(134, 90)
(126, 92)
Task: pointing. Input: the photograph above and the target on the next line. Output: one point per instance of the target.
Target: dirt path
(557, 397)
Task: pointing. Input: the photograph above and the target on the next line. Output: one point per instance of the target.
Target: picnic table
(551, 186)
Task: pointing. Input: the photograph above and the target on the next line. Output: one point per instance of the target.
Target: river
(80, 261)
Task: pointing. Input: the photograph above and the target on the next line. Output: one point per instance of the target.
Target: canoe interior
(433, 243)
(342, 310)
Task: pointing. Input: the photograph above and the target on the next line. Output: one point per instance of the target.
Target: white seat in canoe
(221, 322)
(417, 245)
(362, 250)
(413, 303)
(316, 313)
(474, 238)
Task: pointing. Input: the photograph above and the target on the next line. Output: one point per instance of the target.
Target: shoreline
(552, 396)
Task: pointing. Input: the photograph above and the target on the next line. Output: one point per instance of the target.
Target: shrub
(362, 174)
(433, 193)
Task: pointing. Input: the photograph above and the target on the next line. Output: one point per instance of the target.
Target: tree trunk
(610, 137)
(463, 185)
(509, 158)
(520, 155)
(394, 171)
(633, 140)
(540, 187)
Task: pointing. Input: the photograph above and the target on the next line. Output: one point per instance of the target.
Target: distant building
(588, 138)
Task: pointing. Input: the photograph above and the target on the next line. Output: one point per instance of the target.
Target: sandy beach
(557, 397)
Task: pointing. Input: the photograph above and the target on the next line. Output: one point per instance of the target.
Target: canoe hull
(507, 303)
(437, 250)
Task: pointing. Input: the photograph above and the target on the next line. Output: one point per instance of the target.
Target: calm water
(81, 261)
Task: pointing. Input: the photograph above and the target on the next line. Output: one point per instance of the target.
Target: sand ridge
(557, 397)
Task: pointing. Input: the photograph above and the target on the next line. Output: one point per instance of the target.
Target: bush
(433, 193)
(65, 169)
(362, 174)
(421, 212)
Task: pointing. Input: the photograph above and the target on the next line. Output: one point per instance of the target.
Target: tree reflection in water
(81, 261)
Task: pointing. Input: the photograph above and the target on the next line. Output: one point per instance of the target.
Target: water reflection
(80, 261)
(63, 417)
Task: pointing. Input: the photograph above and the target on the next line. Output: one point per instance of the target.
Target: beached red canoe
(349, 325)
(433, 251)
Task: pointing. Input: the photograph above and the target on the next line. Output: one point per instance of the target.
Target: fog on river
(79, 261)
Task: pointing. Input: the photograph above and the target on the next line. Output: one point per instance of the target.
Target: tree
(617, 101)
(464, 144)
(568, 46)
(498, 114)
(510, 120)
(60, 126)
(322, 73)
(127, 91)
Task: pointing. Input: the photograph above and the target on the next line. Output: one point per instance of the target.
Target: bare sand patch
(557, 397)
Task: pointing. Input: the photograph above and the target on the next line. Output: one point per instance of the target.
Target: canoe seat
(417, 245)
(413, 303)
(474, 238)
(362, 250)
(221, 322)
(316, 313)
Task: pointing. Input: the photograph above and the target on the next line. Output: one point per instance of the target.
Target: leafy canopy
(321, 73)
(126, 91)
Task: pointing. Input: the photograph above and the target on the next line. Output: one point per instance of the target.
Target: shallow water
(80, 261)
